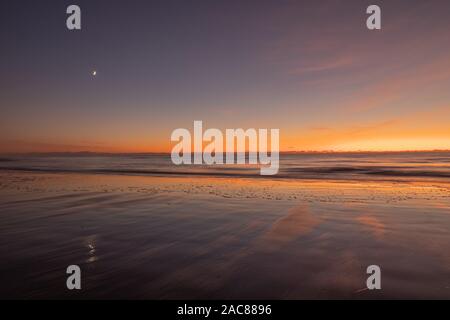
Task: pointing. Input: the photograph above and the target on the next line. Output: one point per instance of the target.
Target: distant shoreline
(92, 153)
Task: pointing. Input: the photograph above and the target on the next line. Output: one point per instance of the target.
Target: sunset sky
(310, 68)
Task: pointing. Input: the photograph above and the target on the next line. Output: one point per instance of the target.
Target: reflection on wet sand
(373, 224)
(299, 221)
(156, 237)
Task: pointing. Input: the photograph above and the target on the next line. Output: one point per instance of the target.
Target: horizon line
(168, 153)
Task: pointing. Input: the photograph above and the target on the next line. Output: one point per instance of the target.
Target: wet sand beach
(208, 237)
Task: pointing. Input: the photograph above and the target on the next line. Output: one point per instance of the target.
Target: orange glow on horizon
(422, 131)
(367, 145)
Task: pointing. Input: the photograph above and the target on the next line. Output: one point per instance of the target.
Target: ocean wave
(285, 173)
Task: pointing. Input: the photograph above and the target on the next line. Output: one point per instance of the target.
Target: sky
(309, 68)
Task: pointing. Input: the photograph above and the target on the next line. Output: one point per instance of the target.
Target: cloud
(12, 146)
(331, 64)
(401, 86)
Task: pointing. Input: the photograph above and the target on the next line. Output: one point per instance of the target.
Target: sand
(150, 237)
